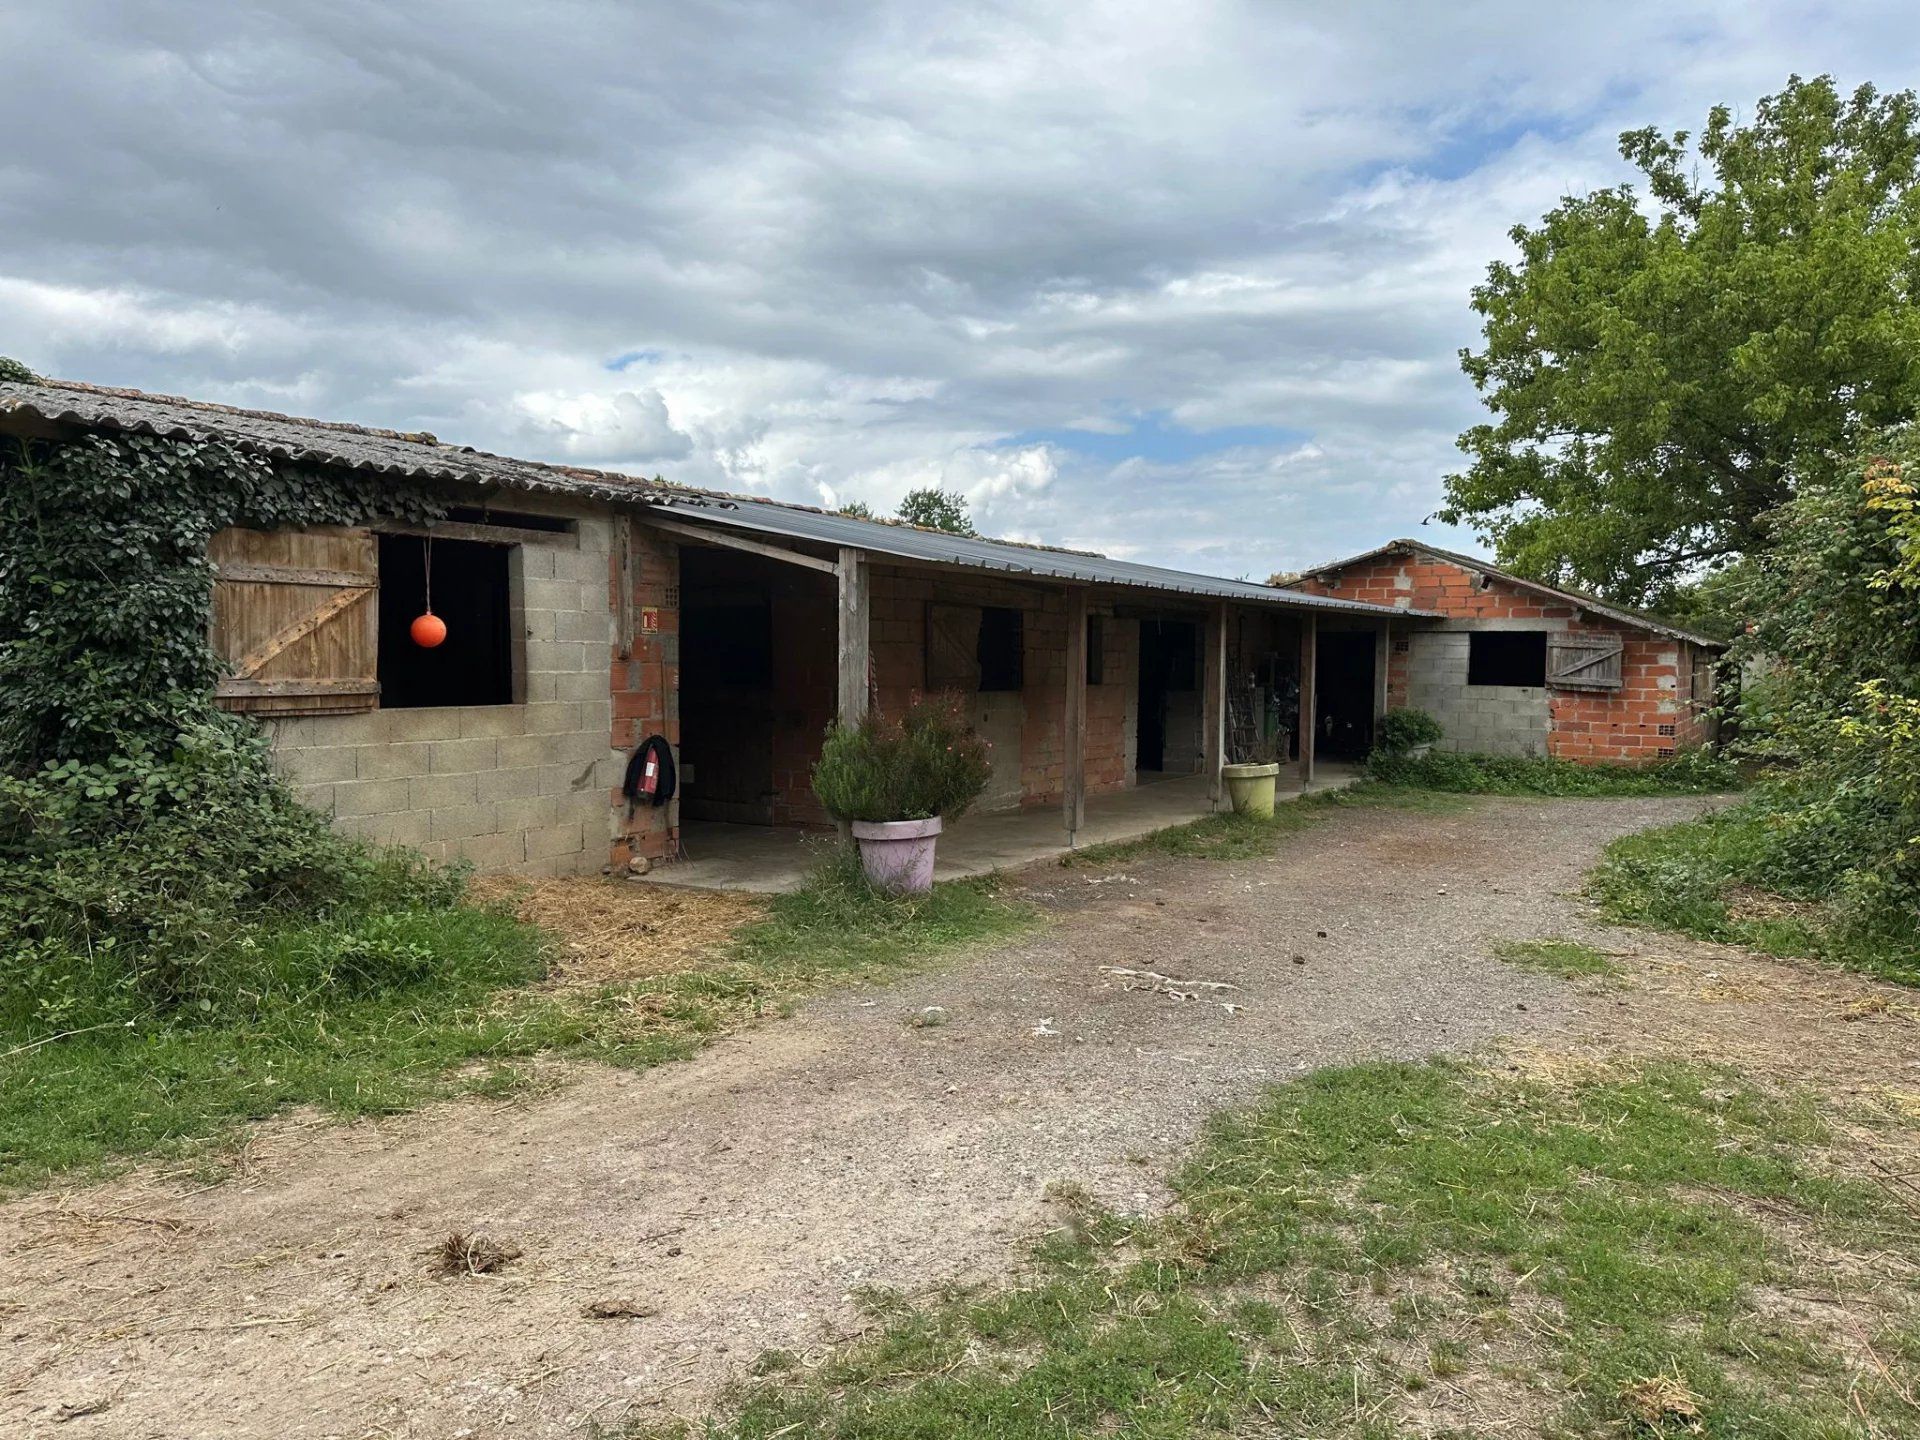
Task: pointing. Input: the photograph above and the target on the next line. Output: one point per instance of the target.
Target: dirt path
(745, 1193)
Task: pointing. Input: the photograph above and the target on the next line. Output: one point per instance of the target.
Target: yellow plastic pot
(1250, 787)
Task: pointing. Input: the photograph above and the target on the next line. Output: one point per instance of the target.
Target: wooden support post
(623, 596)
(1382, 657)
(1213, 702)
(1074, 739)
(1309, 695)
(855, 608)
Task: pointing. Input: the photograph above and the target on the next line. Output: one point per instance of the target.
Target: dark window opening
(1002, 658)
(1096, 650)
(1507, 657)
(471, 593)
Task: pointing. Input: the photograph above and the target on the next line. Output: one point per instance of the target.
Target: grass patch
(1569, 959)
(1588, 1257)
(1697, 772)
(1229, 835)
(375, 1013)
(1734, 877)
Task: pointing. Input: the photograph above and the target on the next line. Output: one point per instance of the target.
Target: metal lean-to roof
(1032, 562)
(423, 456)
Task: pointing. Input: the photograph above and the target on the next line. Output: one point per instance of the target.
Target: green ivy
(105, 583)
(144, 835)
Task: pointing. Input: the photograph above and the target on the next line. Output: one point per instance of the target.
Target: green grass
(1232, 836)
(464, 1021)
(1569, 959)
(1367, 1233)
(1694, 773)
(1717, 878)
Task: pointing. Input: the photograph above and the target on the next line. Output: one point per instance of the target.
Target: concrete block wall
(518, 787)
(1478, 719)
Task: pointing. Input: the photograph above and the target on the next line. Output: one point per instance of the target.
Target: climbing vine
(141, 827)
(105, 583)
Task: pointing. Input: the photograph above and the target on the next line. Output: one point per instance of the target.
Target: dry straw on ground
(609, 930)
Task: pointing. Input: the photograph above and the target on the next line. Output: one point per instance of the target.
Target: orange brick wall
(899, 639)
(1649, 717)
(646, 686)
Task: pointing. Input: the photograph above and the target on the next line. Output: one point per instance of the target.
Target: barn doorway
(757, 663)
(1344, 694)
(1168, 725)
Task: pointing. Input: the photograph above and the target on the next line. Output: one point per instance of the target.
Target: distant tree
(1663, 372)
(937, 509)
(11, 369)
(858, 509)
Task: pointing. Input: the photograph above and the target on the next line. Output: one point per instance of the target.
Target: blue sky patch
(1153, 437)
(628, 359)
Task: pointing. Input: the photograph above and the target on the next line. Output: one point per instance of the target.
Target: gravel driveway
(744, 1193)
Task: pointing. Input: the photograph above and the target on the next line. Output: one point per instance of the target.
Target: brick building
(589, 612)
(1515, 667)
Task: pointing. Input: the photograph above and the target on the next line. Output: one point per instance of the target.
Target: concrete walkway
(770, 859)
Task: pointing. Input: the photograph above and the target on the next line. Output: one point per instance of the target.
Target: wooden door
(296, 620)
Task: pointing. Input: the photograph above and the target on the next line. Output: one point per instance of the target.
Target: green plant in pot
(1406, 731)
(895, 781)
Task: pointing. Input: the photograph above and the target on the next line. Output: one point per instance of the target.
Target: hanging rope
(428, 629)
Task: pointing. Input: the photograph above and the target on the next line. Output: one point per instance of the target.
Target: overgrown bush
(926, 763)
(1698, 771)
(148, 852)
(1404, 729)
(133, 886)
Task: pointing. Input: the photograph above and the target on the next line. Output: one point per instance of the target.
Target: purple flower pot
(898, 854)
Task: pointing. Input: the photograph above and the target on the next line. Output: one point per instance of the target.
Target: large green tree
(1661, 367)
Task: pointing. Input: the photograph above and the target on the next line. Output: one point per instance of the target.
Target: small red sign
(649, 619)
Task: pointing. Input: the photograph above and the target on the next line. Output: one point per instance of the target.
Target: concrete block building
(589, 613)
(1513, 667)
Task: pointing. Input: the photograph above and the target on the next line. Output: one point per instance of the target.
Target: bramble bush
(1834, 711)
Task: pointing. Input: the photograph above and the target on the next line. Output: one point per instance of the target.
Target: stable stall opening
(1507, 657)
(1168, 725)
(1344, 682)
(472, 592)
(757, 666)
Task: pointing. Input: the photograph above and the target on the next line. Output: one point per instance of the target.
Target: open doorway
(1344, 694)
(1168, 719)
(756, 687)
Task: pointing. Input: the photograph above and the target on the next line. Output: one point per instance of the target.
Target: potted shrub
(1251, 776)
(896, 781)
(1407, 731)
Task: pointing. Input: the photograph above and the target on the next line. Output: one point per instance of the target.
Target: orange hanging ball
(428, 630)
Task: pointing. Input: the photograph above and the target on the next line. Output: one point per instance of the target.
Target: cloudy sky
(1178, 282)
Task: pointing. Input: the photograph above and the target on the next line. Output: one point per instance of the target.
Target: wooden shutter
(1584, 662)
(296, 620)
(953, 647)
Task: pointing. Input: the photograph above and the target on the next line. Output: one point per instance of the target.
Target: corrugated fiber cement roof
(1028, 561)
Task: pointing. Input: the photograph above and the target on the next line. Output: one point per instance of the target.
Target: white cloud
(838, 251)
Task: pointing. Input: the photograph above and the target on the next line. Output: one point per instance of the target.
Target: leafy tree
(937, 509)
(11, 369)
(1663, 369)
(858, 509)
